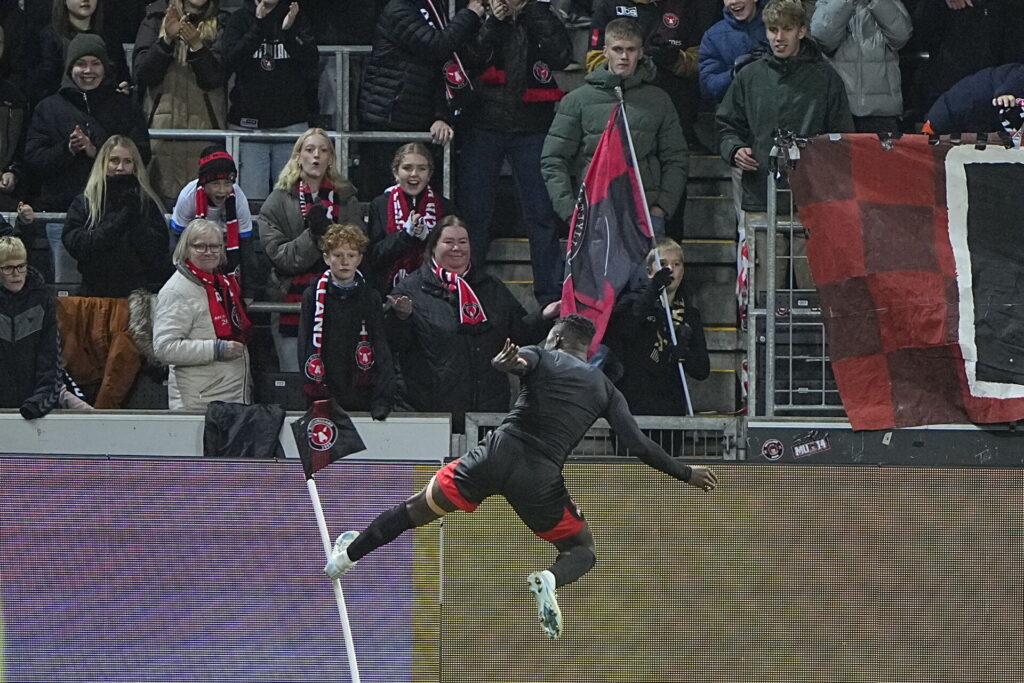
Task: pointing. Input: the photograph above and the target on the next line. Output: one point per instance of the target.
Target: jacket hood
(602, 78)
(85, 44)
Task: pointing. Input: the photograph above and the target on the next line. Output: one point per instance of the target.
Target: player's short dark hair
(580, 329)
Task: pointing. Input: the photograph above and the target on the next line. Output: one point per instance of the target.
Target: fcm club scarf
(226, 307)
(471, 313)
(427, 205)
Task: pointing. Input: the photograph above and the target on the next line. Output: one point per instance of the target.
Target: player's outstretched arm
(650, 453)
(508, 360)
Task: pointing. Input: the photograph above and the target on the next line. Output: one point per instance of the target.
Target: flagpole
(339, 596)
(657, 257)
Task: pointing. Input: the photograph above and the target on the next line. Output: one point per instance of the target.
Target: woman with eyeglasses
(200, 326)
(116, 229)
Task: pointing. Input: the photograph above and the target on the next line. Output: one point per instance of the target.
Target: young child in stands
(215, 196)
(343, 351)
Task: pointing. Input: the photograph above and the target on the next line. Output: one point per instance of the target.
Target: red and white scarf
(289, 322)
(471, 312)
(314, 365)
(428, 205)
(454, 74)
(226, 306)
(230, 216)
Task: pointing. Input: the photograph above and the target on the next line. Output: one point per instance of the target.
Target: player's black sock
(572, 564)
(388, 526)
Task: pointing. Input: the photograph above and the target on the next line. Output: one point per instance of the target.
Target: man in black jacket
(518, 49)
(270, 48)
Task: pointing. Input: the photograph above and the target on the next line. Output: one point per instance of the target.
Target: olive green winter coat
(580, 119)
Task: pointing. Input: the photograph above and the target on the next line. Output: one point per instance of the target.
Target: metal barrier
(787, 347)
(699, 438)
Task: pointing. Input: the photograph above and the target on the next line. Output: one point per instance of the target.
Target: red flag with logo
(610, 231)
(325, 434)
(916, 254)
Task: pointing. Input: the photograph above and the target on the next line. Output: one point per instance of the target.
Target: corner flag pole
(657, 257)
(325, 537)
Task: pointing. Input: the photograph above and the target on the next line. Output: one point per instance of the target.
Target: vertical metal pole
(770, 299)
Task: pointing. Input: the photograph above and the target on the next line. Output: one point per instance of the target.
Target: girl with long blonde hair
(310, 195)
(116, 229)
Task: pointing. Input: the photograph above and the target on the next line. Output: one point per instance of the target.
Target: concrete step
(709, 166)
(710, 218)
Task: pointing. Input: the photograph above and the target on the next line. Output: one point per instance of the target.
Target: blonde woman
(116, 229)
(309, 196)
(178, 61)
(200, 326)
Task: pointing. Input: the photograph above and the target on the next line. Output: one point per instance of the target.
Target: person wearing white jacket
(200, 325)
(861, 39)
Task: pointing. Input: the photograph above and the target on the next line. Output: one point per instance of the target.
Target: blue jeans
(479, 167)
(65, 267)
(259, 163)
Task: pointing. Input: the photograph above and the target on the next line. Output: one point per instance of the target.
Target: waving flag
(325, 434)
(610, 231)
(917, 254)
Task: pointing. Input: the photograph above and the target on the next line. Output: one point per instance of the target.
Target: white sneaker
(542, 584)
(339, 563)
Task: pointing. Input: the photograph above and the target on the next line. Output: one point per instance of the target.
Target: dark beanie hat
(85, 45)
(215, 164)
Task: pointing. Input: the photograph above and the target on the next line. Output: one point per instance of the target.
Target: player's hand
(744, 158)
(508, 359)
(702, 478)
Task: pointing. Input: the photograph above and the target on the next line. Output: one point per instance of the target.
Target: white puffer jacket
(860, 38)
(184, 338)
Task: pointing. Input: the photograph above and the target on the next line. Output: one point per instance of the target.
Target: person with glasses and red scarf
(200, 326)
(309, 196)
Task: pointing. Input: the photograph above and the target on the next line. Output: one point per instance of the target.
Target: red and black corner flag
(610, 229)
(915, 251)
(325, 434)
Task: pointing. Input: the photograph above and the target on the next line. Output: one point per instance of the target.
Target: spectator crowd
(393, 307)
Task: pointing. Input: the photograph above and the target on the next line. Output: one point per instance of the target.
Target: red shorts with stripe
(533, 487)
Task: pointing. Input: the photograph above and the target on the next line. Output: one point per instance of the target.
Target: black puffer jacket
(128, 249)
(30, 368)
(516, 91)
(444, 368)
(100, 113)
(403, 87)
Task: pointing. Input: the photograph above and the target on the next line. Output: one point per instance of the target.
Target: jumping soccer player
(522, 460)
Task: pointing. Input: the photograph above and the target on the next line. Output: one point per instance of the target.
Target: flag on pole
(325, 434)
(610, 230)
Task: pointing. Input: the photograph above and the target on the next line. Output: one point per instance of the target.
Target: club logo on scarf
(670, 20)
(542, 72)
(364, 355)
(322, 433)
(453, 74)
(471, 311)
(314, 367)
(579, 228)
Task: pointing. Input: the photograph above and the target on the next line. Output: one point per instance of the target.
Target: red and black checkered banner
(917, 250)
